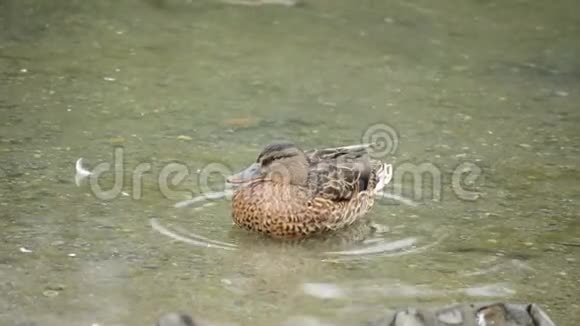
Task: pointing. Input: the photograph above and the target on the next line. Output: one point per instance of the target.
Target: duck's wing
(346, 152)
(338, 176)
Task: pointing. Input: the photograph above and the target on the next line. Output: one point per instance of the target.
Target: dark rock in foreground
(496, 314)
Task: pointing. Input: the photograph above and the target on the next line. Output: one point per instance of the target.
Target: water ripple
(201, 241)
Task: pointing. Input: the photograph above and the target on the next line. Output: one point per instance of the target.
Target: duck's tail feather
(384, 175)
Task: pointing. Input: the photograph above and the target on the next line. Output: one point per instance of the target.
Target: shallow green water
(491, 83)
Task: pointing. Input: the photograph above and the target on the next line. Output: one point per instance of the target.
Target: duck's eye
(268, 160)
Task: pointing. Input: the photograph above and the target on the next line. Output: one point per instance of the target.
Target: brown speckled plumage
(295, 194)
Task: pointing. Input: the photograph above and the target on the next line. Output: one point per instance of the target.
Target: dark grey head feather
(277, 151)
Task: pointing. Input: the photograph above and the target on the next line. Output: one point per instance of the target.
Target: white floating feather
(81, 173)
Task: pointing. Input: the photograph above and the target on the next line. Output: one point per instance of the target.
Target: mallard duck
(290, 193)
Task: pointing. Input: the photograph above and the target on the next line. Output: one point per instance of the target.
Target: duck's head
(279, 162)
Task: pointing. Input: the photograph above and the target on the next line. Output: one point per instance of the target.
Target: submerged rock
(176, 319)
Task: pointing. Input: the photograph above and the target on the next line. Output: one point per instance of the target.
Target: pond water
(482, 94)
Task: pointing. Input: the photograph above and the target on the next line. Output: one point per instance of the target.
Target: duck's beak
(247, 175)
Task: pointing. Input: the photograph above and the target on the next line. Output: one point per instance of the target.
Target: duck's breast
(263, 205)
